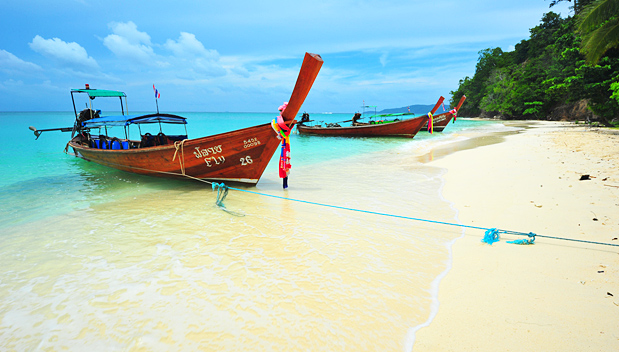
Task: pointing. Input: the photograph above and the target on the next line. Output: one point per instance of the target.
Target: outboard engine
(356, 117)
(86, 115)
(305, 117)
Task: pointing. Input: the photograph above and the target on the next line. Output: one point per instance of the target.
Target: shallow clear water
(99, 259)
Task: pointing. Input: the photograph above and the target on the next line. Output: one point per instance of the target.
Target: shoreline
(555, 295)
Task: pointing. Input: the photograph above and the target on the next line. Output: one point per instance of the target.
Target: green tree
(533, 108)
(545, 71)
(614, 87)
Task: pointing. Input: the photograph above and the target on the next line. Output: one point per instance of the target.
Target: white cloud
(12, 64)
(125, 50)
(383, 59)
(188, 46)
(71, 54)
(130, 32)
(208, 67)
(127, 42)
(190, 53)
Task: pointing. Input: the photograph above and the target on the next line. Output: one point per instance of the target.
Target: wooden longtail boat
(441, 121)
(238, 156)
(384, 128)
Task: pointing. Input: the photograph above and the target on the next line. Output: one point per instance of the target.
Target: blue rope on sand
(530, 240)
(491, 235)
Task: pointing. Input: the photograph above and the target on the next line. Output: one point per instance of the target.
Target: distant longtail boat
(441, 121)
(387, 125)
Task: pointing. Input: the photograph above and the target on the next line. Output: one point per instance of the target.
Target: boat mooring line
(491, 234)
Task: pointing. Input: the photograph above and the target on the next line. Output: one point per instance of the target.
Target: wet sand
(555, 295)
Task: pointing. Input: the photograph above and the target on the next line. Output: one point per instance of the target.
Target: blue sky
(244, 56)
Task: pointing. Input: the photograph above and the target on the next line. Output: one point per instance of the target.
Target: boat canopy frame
(94, 93)
(382, 116)
(124, 120)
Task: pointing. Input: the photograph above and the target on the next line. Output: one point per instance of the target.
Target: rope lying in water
(491, 234)
(222, 193)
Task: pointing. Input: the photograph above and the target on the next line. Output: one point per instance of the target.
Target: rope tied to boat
(491, 233)
(181, 160)
(222, 193)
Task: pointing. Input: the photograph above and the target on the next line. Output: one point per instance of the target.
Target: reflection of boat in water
(394, 125)
(441, 121)
(239, 156)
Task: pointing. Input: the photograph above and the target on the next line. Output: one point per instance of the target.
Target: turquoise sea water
(101, 259)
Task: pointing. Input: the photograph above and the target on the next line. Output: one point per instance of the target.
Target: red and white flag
(157, 95)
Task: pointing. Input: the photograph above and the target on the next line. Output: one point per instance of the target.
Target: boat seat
(104, 142)
(119, 144)
(148, 140)
(99, 144)
(162, 139)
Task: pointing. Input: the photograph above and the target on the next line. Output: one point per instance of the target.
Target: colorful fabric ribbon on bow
(454, 112)
(283, 133)
(430, 123)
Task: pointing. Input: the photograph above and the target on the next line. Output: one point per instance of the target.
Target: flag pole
(156, 97)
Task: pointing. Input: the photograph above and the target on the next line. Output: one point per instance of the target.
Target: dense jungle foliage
(545, 73)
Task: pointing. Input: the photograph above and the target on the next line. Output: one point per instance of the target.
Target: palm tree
(599, 24)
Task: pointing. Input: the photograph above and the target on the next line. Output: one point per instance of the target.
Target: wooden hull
(405, 128)
(440, 121)
(238, 156)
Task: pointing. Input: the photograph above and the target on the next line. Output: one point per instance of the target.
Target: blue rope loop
(491, 236)
(523, 241)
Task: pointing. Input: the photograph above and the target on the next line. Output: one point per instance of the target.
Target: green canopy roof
(395, 114)
(93, 93)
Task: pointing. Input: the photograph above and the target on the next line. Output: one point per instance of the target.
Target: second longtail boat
(441, 121)
(389, 125)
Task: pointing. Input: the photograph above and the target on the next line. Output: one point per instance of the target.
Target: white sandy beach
(555, 295)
